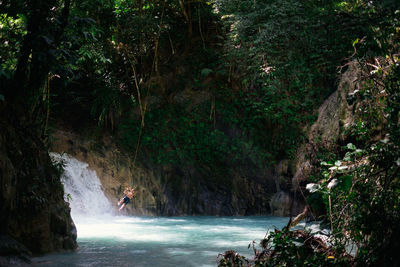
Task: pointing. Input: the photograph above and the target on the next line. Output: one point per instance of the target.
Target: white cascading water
(82, 188)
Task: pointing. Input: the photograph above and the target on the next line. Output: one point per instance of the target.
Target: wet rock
(284, 204)
(14, 261)
(335, 115)
(13, 252)
(31, 196)
(169, 190)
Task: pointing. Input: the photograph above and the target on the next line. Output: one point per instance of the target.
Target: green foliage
(360, 192)
(174, 137)
(177, 137)
(35, 31)
(11, 32)
(285, 54)
(232, 259)
(378, 194)
(297, 248)
(288, 248)
(356, 188)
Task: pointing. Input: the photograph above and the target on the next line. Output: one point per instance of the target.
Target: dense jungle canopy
(220, 85)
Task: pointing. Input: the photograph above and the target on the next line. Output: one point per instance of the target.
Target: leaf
(351, 146)
(346, 182)
(48, 40)
(359, 152)
(313, 187)
(332, 184)
(326, 174)
(206, 72)
(338, 163)
(347, 156)
(342, 169)
(2, 98)
(356, 42)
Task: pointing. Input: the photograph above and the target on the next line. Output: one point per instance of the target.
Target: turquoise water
(106, 239)
(161, 241)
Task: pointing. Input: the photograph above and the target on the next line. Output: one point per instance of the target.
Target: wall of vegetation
(262, 68)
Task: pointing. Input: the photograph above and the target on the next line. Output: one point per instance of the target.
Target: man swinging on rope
(129, 194)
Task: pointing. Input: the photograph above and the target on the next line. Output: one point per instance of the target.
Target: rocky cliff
(34, 218)
(168, 190)
(335, 116)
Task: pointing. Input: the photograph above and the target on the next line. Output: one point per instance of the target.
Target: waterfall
(82, 188)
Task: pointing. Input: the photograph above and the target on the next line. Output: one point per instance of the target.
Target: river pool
(161, 241)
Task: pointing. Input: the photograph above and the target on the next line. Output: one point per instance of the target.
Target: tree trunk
(35, 61)
(140, 6)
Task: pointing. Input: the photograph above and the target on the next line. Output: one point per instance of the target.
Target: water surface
(161, 241)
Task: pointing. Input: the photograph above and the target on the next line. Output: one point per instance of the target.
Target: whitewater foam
(83, 189)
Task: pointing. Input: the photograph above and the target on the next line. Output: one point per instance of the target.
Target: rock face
(168, 190)
(334, 116)
(13, 253)
(285, 202)
(33, 212)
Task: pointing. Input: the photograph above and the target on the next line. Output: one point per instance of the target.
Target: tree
(45, 23)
